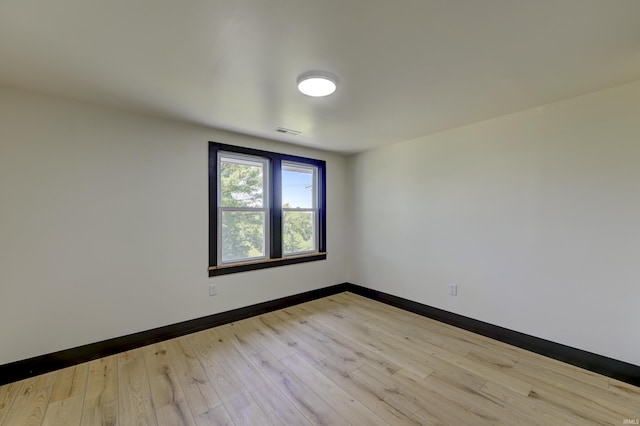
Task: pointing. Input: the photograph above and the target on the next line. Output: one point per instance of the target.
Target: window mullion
(276, 208)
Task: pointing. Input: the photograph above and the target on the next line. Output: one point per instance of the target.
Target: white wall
(535, 215)
(104, 226)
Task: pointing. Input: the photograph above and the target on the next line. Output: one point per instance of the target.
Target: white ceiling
(407, 68)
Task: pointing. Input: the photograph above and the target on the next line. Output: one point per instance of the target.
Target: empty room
(296, 212)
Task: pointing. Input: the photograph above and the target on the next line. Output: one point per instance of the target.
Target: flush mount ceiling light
(317, 83)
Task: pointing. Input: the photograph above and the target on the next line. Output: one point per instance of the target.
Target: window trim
(274, 216)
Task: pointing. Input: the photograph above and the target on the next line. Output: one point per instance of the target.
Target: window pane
(243, 235)
(297, 231)
(297, 186)
(241, 182)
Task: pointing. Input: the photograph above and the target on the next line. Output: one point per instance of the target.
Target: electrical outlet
(212, 290)
(453, 290)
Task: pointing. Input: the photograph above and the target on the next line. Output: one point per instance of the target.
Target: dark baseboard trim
(30, 367)
(620, 370)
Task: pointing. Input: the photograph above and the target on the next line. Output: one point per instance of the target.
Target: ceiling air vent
(286, 131)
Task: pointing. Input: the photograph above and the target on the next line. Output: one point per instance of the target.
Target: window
(265, 209)
(299, 208)
(243, 207)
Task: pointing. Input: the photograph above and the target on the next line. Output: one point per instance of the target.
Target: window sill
(263, 264)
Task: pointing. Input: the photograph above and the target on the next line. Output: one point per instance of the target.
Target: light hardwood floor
(339, 360)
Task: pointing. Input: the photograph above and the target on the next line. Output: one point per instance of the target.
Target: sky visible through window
(297, 188)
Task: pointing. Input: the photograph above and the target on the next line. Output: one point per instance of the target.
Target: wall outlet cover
(453, 290)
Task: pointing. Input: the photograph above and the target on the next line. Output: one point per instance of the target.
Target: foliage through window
(242, 207)
(265, 209)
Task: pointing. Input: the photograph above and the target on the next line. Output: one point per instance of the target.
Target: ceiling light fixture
(317, 83)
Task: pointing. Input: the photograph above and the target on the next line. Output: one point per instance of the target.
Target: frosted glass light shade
(317, 84)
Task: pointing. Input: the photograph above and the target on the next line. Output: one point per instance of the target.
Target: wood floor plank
(585, 377)
(371, 397)
(317, 343)
(167, 395)
(198, 390)
(255, 328)
(102, 414)
(163, 381)
(380, 344)
(341, 346)
(102, 382)
(346, 405)
(568, 403)
(30, 410)
(415, 396)
(418, 351)
(338, 360)
(244, 338)
(177, 413)
(217, 416)
(233, 349)
(406, 330)
(30, 404)
(71, 381)
(530, 411)
(314, 408)
(492, 359)
(67, 396)
(517, 384)
(8, 393)
(442, 330)
(572, 401)
(100, 405)
(624, 389)
(134, 403)
(287, 334)
(443, 368)
(238, 403)
(488, 409)
(447, 331)
(598, 396)
(66, 411)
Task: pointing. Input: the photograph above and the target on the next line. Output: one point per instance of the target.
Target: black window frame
(276, 257)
